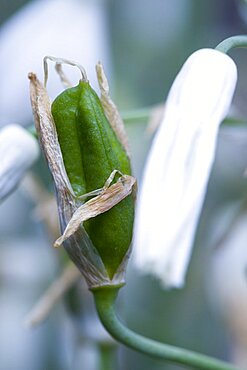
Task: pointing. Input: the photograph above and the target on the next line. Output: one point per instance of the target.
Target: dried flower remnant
(111, 110)
(109, 185)
(179, 164)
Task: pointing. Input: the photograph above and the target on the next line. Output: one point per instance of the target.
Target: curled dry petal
(111, 110)
(46, 129)
(98, 205)
(179, 165)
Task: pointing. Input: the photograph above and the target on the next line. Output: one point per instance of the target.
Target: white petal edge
(18, 151)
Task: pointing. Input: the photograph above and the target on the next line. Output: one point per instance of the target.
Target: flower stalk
(105, 301)
(239, 41)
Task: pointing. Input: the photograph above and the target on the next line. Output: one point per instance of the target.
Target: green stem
(232, 121)
(239, 41)
(107, 352)
(105, 300)
(141, 114)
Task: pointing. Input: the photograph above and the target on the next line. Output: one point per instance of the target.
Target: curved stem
(239, 41)
(104, 301)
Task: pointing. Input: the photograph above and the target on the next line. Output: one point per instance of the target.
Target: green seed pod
(91, 152)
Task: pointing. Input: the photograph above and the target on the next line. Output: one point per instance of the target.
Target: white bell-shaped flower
(74, 29)
(18, 151)
(179, 164)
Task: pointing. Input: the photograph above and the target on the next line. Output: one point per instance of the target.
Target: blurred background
(142, 45)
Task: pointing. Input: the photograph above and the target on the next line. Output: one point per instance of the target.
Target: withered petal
(98, 205)
(111, 110)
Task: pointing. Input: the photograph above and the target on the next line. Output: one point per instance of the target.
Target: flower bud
(179, 164)
(91, 171)
(18, 151)
(91, 152)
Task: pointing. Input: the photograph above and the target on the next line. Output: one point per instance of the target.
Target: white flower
(179, 164)
(18, 151)
(73, 29)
